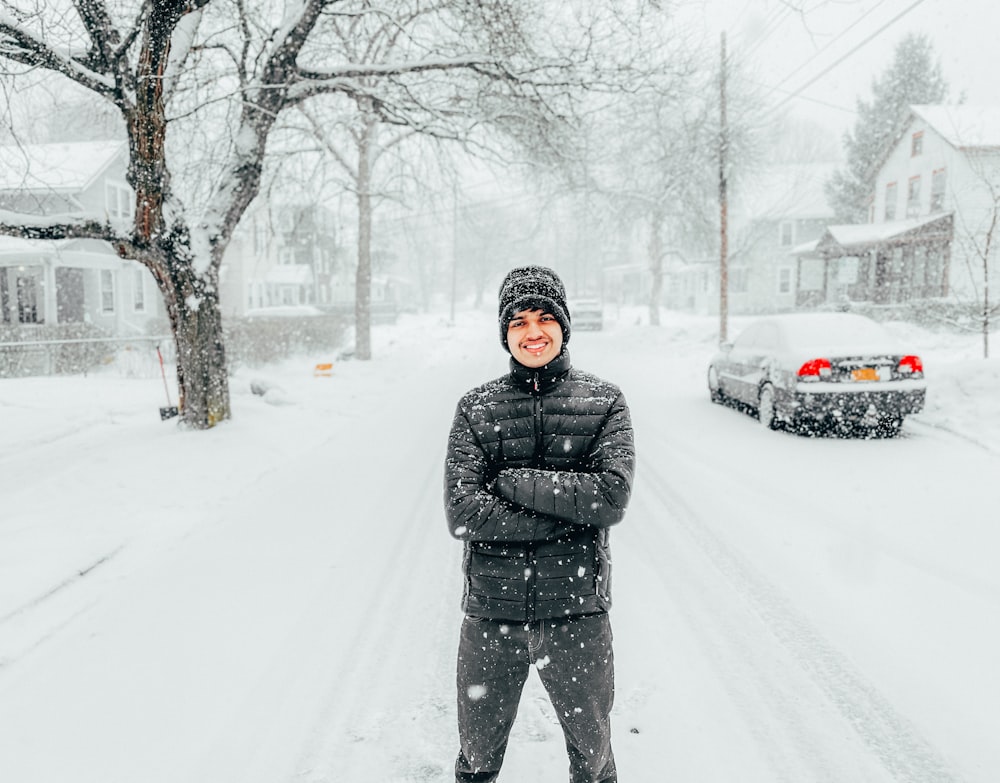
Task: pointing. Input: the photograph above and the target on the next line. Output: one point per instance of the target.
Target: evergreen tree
(914, 77)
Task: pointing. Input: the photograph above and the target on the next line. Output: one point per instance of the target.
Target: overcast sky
(793, 52)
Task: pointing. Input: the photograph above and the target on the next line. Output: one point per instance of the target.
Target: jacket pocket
(602, 569)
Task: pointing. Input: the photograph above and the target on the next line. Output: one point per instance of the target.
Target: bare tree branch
(56, 227)
(103, 36)
(22, 46)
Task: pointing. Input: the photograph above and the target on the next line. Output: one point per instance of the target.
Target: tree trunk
(363, 278)
(202, 375)
(196, 323)
(655, 248)
(192, 301)
(986, 306)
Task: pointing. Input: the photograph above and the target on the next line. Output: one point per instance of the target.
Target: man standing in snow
(539, 467)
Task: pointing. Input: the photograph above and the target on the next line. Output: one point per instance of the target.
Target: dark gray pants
(574, 660)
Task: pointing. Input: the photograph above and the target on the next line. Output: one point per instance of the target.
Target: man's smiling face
(534, 337)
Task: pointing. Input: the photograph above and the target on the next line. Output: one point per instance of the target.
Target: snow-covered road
(277, 600)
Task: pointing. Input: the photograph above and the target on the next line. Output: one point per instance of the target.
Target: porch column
(6, 316)
(49, 286)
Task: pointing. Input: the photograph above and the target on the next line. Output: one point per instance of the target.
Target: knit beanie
(532, 288)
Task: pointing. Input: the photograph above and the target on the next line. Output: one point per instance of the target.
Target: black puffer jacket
(539, 466)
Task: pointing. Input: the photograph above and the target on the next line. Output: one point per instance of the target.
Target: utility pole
(454, 248)
(723, 203)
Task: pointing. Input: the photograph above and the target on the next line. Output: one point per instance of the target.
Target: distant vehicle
(820, 371)
(586, 314)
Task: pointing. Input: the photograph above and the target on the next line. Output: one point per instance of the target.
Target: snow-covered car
(587, 314)
(816, 371)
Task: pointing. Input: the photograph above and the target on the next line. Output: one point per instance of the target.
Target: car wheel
(714, 389)
(765, 408)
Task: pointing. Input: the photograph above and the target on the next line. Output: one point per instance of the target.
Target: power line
(770, 26)
(830, 43)
(819, 101)
(851, 51)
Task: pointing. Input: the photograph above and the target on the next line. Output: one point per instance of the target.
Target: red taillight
(912, 366)
(815, 369)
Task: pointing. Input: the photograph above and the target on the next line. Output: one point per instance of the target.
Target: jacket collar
(542, 379)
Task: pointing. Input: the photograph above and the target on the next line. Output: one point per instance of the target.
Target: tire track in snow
(748, 482)
(394, 683)
(33, 624)
(889, 737)
(948, 431)
(77, 576)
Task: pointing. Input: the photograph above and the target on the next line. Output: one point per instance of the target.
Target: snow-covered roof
(859, 237)
(70, 166)
(870, 233)
(805, 248)
(75, 253)
(963, 126)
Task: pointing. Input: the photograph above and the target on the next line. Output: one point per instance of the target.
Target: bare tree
(660, 172)
(978, 242)
(175, 68)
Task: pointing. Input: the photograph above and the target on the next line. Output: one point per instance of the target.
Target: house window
(937, 190)
(27, 300)
(119, 200)
(847, 270)
(785, 280)
(917, 144)
(738, 279)
(260, 237)
(890, 201)
(107, 291)
(139, 290)
(786, 233)
(913, 197)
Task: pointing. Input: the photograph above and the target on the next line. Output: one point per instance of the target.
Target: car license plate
(864, 374)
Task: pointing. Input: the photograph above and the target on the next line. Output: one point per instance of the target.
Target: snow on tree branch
(20, 45)
(29, 226)
(103, 35)
(181, 44)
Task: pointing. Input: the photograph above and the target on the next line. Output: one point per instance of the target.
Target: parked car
(587, 314)
(819, 371)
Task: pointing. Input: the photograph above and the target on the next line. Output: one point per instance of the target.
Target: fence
(135, 356)
(249, 342)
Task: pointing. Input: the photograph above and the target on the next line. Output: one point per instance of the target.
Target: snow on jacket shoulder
(539, 466)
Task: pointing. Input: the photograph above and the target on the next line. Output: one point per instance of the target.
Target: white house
(937, 192)
(282, 255)
(73, 280)
(770, 214)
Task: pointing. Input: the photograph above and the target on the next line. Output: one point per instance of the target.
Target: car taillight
(815, 369)
(911, 366)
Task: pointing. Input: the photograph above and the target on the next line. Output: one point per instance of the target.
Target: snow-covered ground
(276, 599)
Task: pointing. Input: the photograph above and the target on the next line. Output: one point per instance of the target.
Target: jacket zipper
(539, 440)
(530, 599)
